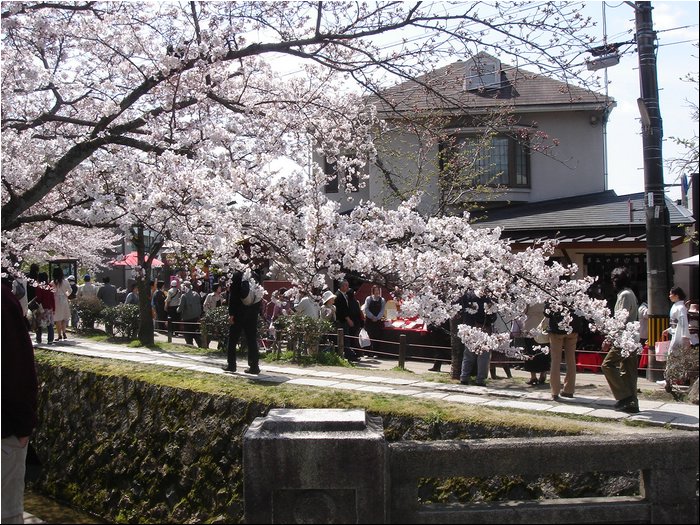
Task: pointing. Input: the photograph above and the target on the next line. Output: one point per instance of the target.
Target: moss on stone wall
(130, 450)
(134, 452)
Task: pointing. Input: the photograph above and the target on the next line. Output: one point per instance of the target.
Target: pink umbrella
(132, 259)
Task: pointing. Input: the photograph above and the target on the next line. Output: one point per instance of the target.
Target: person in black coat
(242, 319)
(474, 314)
(19, 404)
(344, 318)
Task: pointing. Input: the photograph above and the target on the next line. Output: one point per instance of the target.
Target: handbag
(541, 336)
(365, 341)
(661, 348)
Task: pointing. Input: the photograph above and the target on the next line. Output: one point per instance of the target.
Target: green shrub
(122, 320)
(302, 333)
(215, 324)
(89, 311)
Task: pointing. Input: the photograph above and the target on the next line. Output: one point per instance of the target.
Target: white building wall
(575, 166)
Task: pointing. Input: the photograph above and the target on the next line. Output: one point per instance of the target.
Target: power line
(679, 42)
(677, 28)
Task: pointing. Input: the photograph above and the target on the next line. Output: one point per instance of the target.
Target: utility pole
(659, 269)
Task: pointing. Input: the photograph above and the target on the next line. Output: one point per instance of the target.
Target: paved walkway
(592, 399)
(367, 376)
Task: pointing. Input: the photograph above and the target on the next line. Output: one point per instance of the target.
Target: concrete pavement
(592, 399)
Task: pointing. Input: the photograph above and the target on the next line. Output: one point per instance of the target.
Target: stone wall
(135, 452)
(130, 451)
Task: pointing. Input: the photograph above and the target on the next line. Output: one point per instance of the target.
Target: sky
(676, 24)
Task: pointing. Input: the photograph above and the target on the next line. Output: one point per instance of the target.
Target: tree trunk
(457, 349)
(146, 334)
(143, 280)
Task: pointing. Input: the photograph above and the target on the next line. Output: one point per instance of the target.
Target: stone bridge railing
(334, 466)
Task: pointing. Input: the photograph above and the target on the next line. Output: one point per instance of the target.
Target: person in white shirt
(213, 299)
(307, 306)
(87, 289)
(682, 357)
(375, 309)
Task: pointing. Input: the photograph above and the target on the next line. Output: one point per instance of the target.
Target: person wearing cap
(172, 302)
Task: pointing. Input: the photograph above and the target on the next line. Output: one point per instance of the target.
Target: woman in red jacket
(45, 297)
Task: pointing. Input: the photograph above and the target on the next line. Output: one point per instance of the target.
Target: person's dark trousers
(162, 322)
(173, 320)
(248, 325)
(191, 329)
(349, 352)
(374, 330)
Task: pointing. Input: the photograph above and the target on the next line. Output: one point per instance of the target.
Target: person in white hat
(328, 313)
(328, 308)
(172, 302)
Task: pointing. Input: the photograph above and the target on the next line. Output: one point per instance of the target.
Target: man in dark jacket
(19, 404)
(474, 314)
(243, 318)
(344, 318)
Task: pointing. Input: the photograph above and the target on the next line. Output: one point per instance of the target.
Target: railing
(403, 351)
(668, 466)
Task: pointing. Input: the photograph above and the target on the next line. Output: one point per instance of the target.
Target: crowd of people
(543, 357)
(180, 307)
(47, 302)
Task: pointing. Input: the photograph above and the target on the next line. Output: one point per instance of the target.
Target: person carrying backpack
(244, 299)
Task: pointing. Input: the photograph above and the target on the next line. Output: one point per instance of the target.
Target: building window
(494, 161)
(332, 176)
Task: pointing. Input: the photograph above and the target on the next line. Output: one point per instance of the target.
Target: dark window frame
(332, 178)
(516, 148)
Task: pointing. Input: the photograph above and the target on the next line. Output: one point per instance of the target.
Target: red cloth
(590, 361)
(405, 320)
(45, 298)
(644, 358)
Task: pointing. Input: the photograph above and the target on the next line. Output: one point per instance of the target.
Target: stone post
(315, 466)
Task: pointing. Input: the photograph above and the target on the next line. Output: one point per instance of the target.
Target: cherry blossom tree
(166, 117)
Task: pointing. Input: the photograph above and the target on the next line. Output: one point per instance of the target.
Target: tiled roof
(520, 88)
(595, 216)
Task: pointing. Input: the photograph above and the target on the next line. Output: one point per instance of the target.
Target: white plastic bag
(365, 341)
(541, 333)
